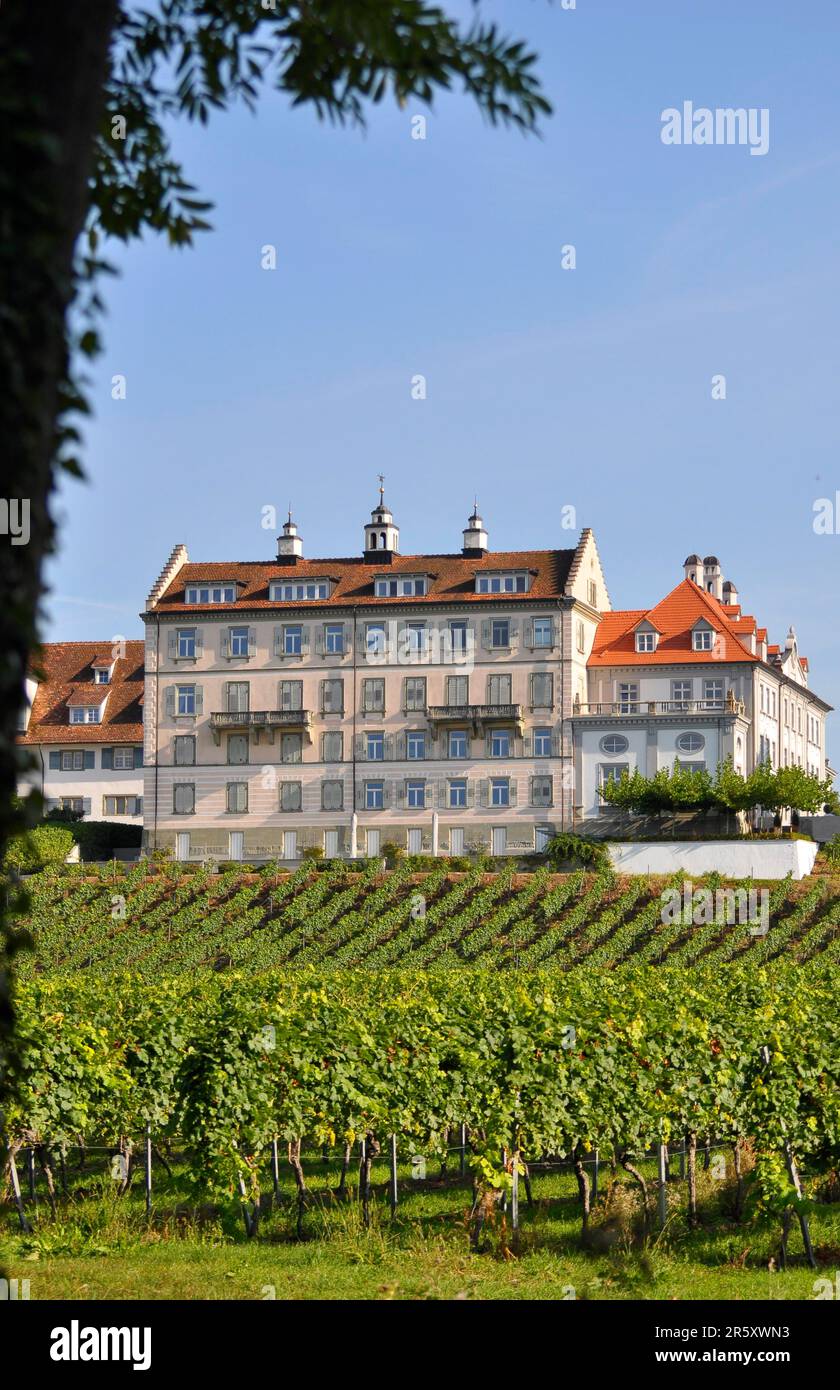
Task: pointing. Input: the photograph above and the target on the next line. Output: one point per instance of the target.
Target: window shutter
(387, 795)
(348, 636)
(278, 641)
(320, 640)
(199, 641)
(528, 632)
(199, 699)
(304, 640)
(138, 757)
(252, 641)
(401, 745)
(55, 762)
(488, 745)
(400, 787)
(90, 760)
(361, 747)
(323, 696)
(172, 643)
(169, 700)
(486, 634)
(441, 793)
(225, 694)
(528, 745)
(512, 790)
(86, 805)
(360, 798)
(513, 632)
(470, 794)
(483, 792)
(138, 805)
(361, 640)
(107, 757)
(556, 631)
(224, 642)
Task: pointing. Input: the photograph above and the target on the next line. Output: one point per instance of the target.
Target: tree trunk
(300, 1182)
(583, 1188)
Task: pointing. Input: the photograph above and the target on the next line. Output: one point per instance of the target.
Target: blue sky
(546, 387)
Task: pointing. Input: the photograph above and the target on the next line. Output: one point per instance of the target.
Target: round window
(614, 743)
(691, 743)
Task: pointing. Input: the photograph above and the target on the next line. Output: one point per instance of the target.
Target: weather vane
(381, 477)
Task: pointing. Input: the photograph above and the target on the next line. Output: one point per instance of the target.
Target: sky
(594, 387)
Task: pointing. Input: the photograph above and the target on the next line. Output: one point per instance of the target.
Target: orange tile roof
(452, 580)
(65, 675)
(675, 617)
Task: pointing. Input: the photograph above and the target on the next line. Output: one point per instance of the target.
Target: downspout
(157, 725)
(353, 739)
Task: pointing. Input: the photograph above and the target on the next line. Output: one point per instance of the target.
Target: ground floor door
(290, 845)
(330, 844)
(499, 839)
(182, 844)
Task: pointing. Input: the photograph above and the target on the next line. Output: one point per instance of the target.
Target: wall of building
(755, 859)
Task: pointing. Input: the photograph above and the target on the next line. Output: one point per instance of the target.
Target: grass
(100, 1246)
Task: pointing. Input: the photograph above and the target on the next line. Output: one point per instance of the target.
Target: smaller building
(692, 681)
(83, 729)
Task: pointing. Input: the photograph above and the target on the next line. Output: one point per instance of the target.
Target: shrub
(97, 839)
(312, 853)
(567, 848)
(35, 849)
(392, 853)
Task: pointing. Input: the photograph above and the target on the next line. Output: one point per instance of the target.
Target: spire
(289, 544)
(382, 536)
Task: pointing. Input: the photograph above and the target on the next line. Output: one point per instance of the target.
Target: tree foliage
(680, 789)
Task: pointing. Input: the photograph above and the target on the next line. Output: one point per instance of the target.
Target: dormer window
(703, 639)
(645, 641)
(102, 676)
(210, 593)
(501, 583)
(85, 714)
(404, 586)
(308, 591)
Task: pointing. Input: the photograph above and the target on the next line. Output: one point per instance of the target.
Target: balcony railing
(645, 707)
(475, 715)
(262, 720)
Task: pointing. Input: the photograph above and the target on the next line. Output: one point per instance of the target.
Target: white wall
(758, 859)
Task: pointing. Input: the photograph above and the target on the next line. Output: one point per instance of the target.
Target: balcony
(478, 717)
(288, 721)
(636, 709)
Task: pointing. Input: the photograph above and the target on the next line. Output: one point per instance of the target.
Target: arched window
(384, 541)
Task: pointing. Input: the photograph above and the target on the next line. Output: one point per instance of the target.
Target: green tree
(86, 90)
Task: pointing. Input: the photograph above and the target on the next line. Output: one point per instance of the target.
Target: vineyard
(238, 1071)
(337, 919)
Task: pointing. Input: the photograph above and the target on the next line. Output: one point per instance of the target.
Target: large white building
(692, 681)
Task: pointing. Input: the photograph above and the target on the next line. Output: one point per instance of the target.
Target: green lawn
(99, 1246)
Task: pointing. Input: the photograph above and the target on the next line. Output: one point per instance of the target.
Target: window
(458, 793)
(415, 841)
(291, 796)
(498, 690)
(237, 797)
(68, 803)
(713, 692)
(415, 692)
(682, 766)
(185, 643)
(101, 676)
(85, 714)
(414, 639)
(373, 696)
(73, 761)
(332, 746)
(121, 805)
(458, 636)
(184, 750)
(614, 744)
(691, 743)
(291, 748)
(211, 593)
(183, 798)
(592, 592)
(332, 696)
(412, 586)
(499, 791)
(501, 583)
(291, 695)
(645, 641)
(123, 759)
(375, 644)
(580, 635)
(500, 743)
(332, 796)
(415, 795)
(543, 632)
(334, 639)
(457, 691)
(612, 772)
(542, 690)
(238, 641)
(500, 632)
(281, 592)
(628, 698)
(238, 697)
(415, 745)
(703, 639)
(237, 748)
(682, 692)
(542, 743)
(541, 791)
(185, 699)
(374, 796)
(292, 641)
(458, 743)
(542, 835)
(375, 748)
(456, 840)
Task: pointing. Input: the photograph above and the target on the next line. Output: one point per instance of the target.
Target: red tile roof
(675, 617)
(65, 676)
(452, 580)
